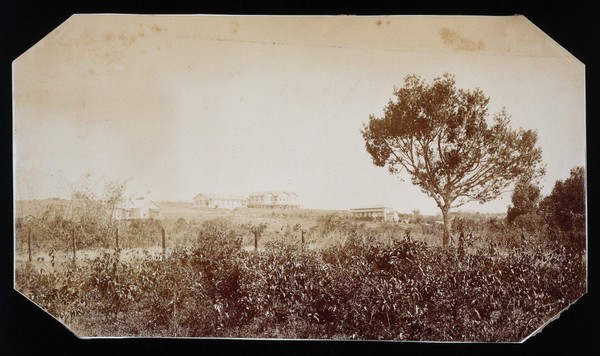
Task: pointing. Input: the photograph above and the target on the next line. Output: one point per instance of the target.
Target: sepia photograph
(397, 178)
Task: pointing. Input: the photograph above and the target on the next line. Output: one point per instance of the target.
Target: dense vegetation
(375, 282)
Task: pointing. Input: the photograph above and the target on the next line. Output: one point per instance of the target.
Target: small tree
(440, 135)
(525, 199)
(94, 212)
(416, 213)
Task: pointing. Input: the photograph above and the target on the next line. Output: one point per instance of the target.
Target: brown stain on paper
(234, 26)
(380, 23)
(126, 39)
(458, 43)
(157, 28)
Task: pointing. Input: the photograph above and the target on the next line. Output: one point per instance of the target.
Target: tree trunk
(446, 217)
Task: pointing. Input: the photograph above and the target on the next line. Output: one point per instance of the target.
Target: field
(311, 274)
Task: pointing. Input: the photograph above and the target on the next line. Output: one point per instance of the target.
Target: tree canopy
(525, 199)
(564, 209)
(440, 135)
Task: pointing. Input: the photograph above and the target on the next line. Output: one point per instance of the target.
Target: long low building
(273, 199)
(219, 201)
(377, 213)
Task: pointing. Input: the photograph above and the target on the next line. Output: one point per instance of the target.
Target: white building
(377, 213)
(219, 201)
(273, 199)
(139, 208)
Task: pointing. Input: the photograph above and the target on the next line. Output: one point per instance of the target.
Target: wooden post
(73, 243)
(29, 244)
(164, 245)
(117, 239)
(302, 233)
(255, 232)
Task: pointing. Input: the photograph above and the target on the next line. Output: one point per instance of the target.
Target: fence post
(29, 244)
(302, 233)
(73, 243)
(257, 231)
(255, 239)
(164, 246)
(117, 239)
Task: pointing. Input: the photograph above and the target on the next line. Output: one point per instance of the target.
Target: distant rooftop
(220, 197)
(372, 207)
(274, 192)
(138, 202)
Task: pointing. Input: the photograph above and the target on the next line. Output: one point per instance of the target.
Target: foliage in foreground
(405, 290)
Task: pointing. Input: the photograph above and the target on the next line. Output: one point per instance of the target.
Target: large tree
(441, 136)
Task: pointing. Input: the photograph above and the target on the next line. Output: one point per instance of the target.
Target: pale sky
(181, 105)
